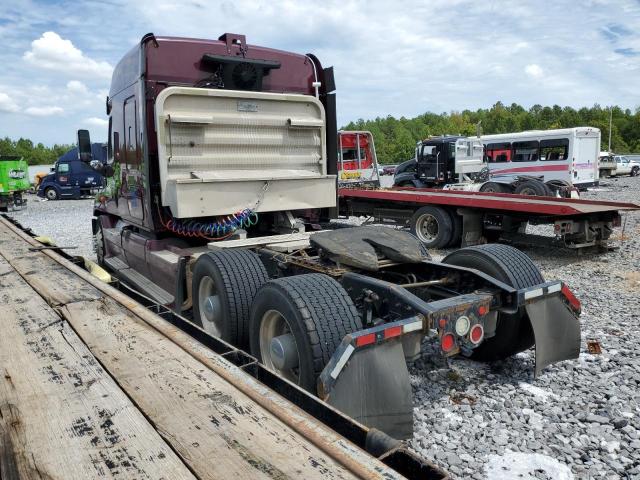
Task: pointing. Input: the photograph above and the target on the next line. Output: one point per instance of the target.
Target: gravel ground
(580, 419)
(67, 222)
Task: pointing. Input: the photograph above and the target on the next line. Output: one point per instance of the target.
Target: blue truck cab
(72, 178)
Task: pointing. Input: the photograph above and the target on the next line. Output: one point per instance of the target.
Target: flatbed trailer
(96, 385)
(443, 218)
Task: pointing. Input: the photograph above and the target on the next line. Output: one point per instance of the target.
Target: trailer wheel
(534, 188)
(51, 193)
(495, 187)
(224, 285)
(456, 231)
(511, 266)
(432, 225)
(298, 322)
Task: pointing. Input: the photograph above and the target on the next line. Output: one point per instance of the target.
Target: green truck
(14, 181)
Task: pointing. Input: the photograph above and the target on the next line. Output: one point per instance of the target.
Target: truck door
(64, 179)
(431, 163)
(133, 187)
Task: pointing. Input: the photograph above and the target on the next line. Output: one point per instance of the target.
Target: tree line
(395, 139)
(33, 154)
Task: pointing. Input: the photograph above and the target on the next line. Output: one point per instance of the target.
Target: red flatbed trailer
(445, 218)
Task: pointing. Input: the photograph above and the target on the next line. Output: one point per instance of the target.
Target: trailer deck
(557, 207)
(478, 217)
(94, 385)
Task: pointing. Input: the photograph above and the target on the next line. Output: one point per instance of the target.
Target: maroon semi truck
(222, 181)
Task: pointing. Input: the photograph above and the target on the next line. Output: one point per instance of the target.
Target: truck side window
(63, 168)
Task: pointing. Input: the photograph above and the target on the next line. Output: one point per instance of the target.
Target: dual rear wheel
(292, 325)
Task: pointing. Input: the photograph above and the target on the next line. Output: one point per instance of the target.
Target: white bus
(567, 156)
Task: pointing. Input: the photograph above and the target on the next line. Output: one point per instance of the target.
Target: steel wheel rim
(528, 191)
(427, 227)
(51, 194)
(210, 307)
(273, 324)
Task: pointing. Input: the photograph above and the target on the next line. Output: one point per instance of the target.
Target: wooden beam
(61, 414)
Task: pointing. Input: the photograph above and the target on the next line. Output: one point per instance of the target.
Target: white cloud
(7, 104)
(96, 122)
(386, 63)
(76, 86)
(52, 52)
(43, 111)
(534, 70)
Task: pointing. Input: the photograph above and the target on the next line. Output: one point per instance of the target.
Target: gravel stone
(585, 401)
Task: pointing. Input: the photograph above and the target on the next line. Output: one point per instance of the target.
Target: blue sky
(400, 58)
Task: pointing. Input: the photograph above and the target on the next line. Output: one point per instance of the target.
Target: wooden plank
(54, 282)
(201, 415)
(290, 434)
(61, 415)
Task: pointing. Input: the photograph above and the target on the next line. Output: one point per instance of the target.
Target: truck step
(138, 281)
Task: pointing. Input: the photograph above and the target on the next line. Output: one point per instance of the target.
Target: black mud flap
(556, 331)
(373, 388)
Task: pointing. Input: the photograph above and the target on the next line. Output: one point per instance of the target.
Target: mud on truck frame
(222, 175)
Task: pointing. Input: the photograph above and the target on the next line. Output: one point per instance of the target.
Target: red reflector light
(571, 298)
(447, 342)
(482, 310)
(365, 339)
(477, 333)
(442, 323)
(392, 332)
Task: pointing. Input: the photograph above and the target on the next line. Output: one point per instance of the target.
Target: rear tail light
(462, 325)
(571, 298)
(448, 342)
(477, 334)
(367, 339)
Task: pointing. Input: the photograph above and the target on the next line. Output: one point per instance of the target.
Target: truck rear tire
(533, 188)
(511, 266)
(51, 193)
(433, 226)
(495, 187)
(223, 287)
(298, 322)
(635, 171)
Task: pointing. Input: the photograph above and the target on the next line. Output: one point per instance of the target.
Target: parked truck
(14, 181)
(73, 178)
(539, 163)
(357, 161)
(626, 166)
(223, 178)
